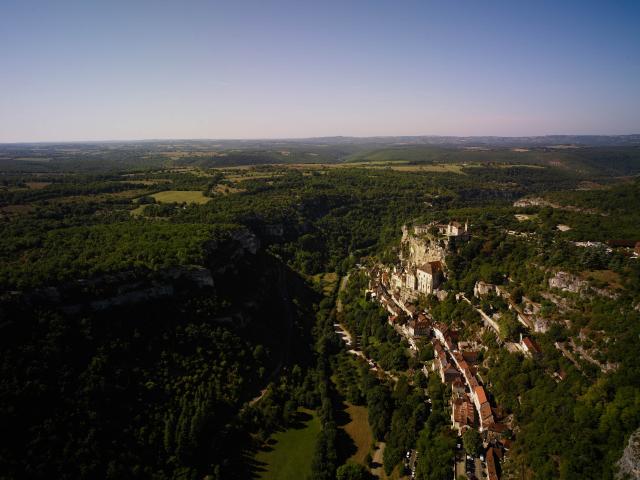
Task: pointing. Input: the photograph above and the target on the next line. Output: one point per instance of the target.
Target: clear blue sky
(90, 69)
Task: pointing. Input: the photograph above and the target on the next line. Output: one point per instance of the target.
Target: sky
(137, 69)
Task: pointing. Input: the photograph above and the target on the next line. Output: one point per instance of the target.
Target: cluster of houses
(456, 364)
(397, 289)
(422, 271)
(526, 314)
(456, 367)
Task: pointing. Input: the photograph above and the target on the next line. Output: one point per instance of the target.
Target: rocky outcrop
(541, 325)
(542, 202)
(532, 202)
(136, 286)
(420, 249)
(568, 283)
(116, 290)
(247, 240)
(629, 463)
(481, 289)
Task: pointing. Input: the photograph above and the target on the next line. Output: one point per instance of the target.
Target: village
(499, 317)
(421, 271)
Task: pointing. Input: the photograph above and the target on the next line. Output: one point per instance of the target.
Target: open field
(437, 168)
(521, 217)
(37, 185)
(17, 209)
(248, 175)
(221, 189)
(147, 181)
(98, 197)
(359, 431)
(291, 451)
(327, 281)
(399, 165)
(605, 277)
(180, 196)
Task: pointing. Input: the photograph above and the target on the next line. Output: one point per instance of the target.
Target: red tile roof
(480, 393)
(485, 413)
(491, 465)
(531, 345)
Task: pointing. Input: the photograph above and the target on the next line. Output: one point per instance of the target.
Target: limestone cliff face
(131, 287)
(571, 283)
(247, 240)
(567, 282)
(629, 463)
(420, 249)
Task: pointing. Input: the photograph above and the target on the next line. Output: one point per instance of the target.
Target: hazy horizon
(79, 72)
(294, 139)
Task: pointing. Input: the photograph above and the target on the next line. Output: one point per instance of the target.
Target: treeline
(35, 258)
(77, 186)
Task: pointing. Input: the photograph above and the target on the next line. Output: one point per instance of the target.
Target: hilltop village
(421, 270)
(500, 316)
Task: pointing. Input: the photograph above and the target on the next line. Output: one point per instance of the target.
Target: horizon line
(358, 137)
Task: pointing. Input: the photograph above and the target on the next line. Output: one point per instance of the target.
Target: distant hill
(583, 154)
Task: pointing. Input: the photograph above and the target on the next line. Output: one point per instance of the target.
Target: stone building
(429, 277)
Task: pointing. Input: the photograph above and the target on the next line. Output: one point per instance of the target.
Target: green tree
(353, 471)
(472, 442)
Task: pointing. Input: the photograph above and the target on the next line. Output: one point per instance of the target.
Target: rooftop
(480, 394)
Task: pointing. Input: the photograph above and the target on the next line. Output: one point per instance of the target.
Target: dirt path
(343, 285)
(378, 455)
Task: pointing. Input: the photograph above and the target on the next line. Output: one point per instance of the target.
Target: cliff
(418, 249)
(629, 463)
(135, 286)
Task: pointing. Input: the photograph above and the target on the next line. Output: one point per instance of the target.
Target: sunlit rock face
(629, 463)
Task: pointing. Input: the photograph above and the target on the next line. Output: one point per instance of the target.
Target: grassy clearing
(521, 217)
(138, 211)
(326, 281)
(226, 189)
(252, 176)
(180, 196)
(437, 168)
(359, 431)
(506, 165)
(292, 450)
(99, 197)
(604, 278)
(37, 185)
(17, 209)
